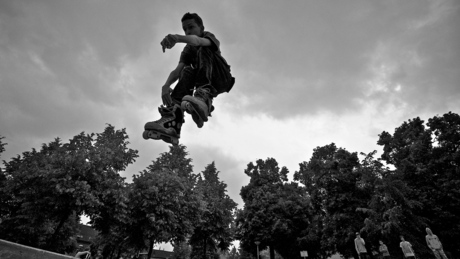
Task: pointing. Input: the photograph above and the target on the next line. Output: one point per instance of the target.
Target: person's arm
(410, 247)
(402, 249)
(171, 39)
(166, 88)
(193, 40)
(439, 242)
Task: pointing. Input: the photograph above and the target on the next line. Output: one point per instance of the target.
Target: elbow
(195, 41)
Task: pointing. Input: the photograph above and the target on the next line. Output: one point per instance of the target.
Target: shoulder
(208, 34)
(212, 38)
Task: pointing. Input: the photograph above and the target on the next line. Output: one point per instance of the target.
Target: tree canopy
(214, 230)
(412, 185)
(45, 192)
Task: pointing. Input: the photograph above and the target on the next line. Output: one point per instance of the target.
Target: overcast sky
(308, 73)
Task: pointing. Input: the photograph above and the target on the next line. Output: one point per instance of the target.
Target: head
(357, 234)
(402, 238)
(192, 24)
(381, 242)
(428, 231)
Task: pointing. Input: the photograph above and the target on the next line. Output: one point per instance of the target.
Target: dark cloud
(72, 66)
(303, 58)
(60, 63)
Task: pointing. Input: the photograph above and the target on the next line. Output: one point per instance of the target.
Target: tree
(165, 205)
(255, 221)
(275, 212)
(427, 159)
(390, 210)
(182, 250)
(47, 191)
(213, 231)
(3, 196)
(333, 182)
(2, 145)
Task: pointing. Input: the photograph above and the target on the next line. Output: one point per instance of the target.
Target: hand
(166, 95)
(168, 42)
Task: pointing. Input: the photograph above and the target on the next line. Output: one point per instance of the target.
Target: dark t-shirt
(189, 54)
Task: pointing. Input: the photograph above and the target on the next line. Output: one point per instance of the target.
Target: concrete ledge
(10, 250)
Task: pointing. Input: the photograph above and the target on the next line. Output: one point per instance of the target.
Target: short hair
(195, 17)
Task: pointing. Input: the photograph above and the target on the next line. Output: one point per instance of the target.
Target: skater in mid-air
(202, 73)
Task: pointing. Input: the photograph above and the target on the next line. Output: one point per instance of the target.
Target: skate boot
(168, 127)
(199, 105)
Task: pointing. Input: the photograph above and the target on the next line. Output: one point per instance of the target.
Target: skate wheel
(145, 134)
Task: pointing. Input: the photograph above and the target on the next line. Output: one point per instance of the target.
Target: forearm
(173, 76)
(193, 40)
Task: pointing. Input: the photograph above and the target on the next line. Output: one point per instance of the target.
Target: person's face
(190, 27)
(428, 231)
(381, 242)
(402, 238)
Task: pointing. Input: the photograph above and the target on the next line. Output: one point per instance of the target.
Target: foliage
(389, 211)
(165, 205)
(275, 212)
(333, 181)
(413, 185)
(47, 191)
(3, 180)
(427, 160)
(213, 231)
(2, 145)
(181, 250)
(233, 254)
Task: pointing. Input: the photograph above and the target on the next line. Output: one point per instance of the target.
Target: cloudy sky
(308, 73)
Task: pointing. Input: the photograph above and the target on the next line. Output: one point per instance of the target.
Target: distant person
(360, 247)
(406, 248)
(383, 249)
(434, 244)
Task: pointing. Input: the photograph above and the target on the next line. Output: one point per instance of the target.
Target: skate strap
(205, 94)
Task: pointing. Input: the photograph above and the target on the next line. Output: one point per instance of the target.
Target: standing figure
(201, 68)
(406, 248)
(434, 244)
(383, 249)
(360, 246)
